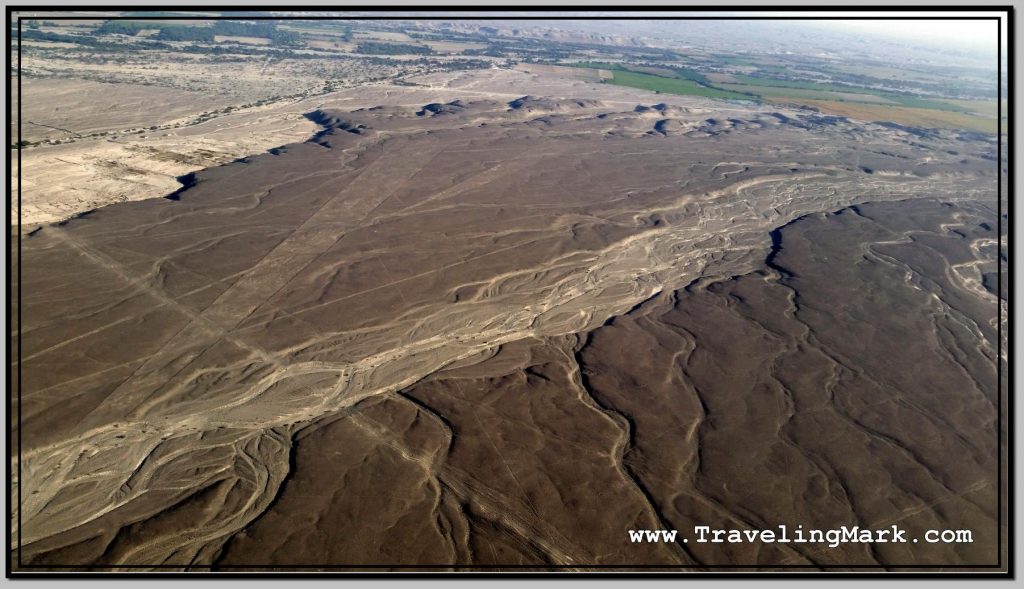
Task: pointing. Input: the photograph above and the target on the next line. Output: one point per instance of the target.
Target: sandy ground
(60, 181)
(102, 113)
(465, 327)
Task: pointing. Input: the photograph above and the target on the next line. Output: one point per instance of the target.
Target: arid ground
(504, 328)
(419, 294)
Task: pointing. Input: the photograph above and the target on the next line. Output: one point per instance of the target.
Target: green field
(597, 65)
(749, 87)
(800, 93)
(767, 87)
(913, 102)
(671, 85)
(669, 72)
(770, 82)
(988, 108)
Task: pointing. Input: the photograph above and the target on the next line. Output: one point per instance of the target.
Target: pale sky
(978, 34)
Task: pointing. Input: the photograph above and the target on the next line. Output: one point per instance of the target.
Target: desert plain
(494, 320)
